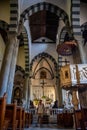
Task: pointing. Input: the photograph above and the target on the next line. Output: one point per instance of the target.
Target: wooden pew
(65, 119)
(10, 114)
(60, 119)
(78, 118)
(84, 118)
(3, 122)
(19, 117)
(23, 118)
(28, 119)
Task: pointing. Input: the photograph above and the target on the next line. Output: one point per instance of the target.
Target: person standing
(40, 111)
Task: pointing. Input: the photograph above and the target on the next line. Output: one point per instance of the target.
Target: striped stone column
(75, 19)
(26, 92)
(6, 65)
(12, 69)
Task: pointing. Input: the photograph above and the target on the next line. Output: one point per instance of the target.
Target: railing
(51, 111)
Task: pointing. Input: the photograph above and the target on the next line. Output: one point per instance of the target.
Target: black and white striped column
(13, 16)
(75, 18)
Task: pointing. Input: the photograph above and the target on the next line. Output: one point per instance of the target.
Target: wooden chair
(3, 122)
(78, 118)
(10, 115)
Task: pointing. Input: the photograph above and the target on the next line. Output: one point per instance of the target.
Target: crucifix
(43, 83)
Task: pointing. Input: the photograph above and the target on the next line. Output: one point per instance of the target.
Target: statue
(75, 100)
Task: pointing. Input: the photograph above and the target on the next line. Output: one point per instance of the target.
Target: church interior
(43, 56)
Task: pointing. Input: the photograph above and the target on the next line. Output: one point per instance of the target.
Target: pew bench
(3, 122)
(65, 120)
(23, 118)
(28, 119)
(10, 115)
(19, 117)
(84, 118)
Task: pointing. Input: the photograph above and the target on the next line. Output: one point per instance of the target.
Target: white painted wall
(21, 58)
(48, 48)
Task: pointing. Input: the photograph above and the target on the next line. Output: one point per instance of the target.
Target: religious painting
(65, 78)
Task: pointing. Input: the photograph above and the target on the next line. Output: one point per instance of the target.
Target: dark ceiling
(85, 1)
(43, 24)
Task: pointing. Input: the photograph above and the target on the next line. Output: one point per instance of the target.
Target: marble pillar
(4, 74)
(12, 69)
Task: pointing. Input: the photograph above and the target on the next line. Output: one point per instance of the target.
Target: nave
(51, 125)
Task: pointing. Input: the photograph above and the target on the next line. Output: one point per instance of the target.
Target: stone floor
(51, 126)
(47, 127)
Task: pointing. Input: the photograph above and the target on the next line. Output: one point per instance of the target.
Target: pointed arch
(43, 54)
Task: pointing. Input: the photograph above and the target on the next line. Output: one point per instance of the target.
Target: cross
(43, 83)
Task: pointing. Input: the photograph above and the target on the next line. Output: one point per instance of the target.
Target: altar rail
(51, 111)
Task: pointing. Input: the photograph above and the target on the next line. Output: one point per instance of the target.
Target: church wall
(21, 57)
(5, 10)
(48, 48)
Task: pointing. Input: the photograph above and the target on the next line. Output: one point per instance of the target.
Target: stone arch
(63, 33)
(26, 50)
(44, 54)
(45, 6)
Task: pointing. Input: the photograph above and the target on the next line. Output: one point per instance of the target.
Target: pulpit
(74, 77)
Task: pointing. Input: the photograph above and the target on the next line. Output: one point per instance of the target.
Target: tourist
(40, 111)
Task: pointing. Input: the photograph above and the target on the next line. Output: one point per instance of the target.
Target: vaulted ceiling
(43, 24)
